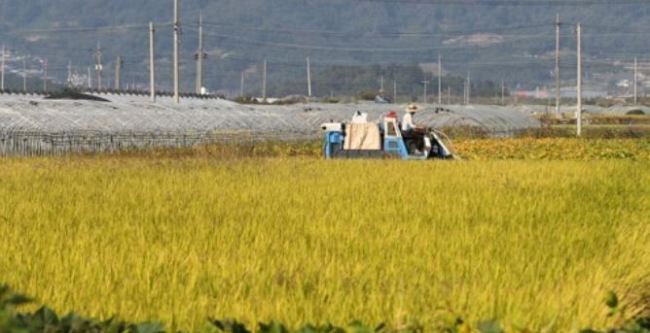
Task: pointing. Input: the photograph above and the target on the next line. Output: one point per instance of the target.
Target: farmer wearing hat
(407, 121)
(410, 134)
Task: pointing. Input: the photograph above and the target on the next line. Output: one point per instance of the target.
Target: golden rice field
(533, 241)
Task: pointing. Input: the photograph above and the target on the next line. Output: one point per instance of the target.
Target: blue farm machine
(385, 139)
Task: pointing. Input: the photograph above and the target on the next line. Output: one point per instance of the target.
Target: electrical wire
(363, 49)
(395, 34)
(103, 29)
(515, 3)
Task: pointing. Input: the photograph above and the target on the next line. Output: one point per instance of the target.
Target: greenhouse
(35, 125)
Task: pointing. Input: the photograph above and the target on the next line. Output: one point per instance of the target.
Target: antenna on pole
(394, 91)
(177, 28)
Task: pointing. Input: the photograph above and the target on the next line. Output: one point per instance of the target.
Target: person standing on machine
(408, 126)
(412, 134)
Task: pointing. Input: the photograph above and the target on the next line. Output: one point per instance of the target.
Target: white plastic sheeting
(137, 114)
(594, 109)
(32, 125)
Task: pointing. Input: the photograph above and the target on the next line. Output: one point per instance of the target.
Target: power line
(365, 49)
(300, 31)
(518, 3)
(361, 34)
(299, 63)
(108, 29)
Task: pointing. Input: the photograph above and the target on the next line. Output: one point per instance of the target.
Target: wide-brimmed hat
(412, 108)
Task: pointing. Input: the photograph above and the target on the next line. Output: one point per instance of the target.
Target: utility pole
(152, 62)
(118, 73)
(503, 92)
(241, 84)
(308, 78)
(69, 80)
(558, 25)
(45, 75)
(579, 84)
(465, 92)
(177, 30)
(98, 66)
(381, 84)
(448, 95)
(439, 80)
(469, 88)
(636, 79)
(200, 56)
(2, 68)
(90, 79)
(394, 91)
(264, 80)
(426, 82)
(24, 74)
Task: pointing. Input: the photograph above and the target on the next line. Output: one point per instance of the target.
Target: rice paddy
(530, 239)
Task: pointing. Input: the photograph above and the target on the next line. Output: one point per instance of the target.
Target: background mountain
(493, 40)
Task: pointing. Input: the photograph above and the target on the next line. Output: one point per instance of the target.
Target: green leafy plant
(46, 320)
(636, 325)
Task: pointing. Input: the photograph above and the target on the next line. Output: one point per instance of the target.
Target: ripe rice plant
(554, 149)
(532, 243)
(467, 149)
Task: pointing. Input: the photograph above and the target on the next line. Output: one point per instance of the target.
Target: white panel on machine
(332, 127)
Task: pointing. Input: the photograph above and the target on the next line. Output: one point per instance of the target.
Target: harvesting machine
(362, 139)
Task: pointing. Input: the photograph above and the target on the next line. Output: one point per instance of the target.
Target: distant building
(624, 83)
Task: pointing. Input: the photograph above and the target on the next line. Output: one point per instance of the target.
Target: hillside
(492, 40)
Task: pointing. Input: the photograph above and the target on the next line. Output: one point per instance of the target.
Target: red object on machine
(392, 114)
